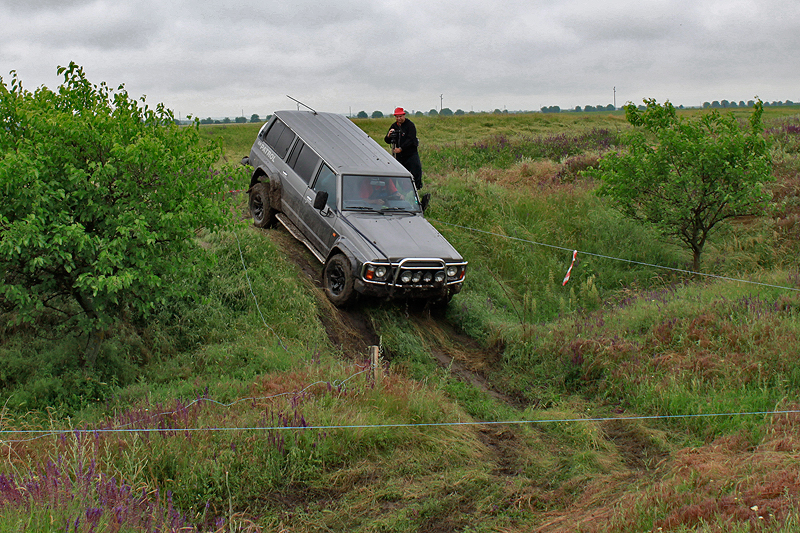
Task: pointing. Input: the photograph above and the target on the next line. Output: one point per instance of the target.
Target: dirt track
(352, 332)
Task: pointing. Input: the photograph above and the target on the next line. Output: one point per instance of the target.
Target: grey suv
(353, 205)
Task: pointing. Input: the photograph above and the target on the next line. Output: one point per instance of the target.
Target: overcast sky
(218, 59)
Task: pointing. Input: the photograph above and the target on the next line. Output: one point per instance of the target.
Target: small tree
(100, 197)
(254, 118)
(685, 177)
(377, 114)
(362, 114)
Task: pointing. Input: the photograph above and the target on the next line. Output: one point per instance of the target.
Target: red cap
(399, 111)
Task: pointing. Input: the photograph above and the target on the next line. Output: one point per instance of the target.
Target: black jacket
(408, 139)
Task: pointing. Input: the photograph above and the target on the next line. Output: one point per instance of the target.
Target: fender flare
(262, 175)
(341, 248)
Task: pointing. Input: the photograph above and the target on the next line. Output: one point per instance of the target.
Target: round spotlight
(417, 277)
(406, 277)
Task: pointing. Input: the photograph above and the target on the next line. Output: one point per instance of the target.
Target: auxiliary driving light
(439, 277)
(417, 277)
(406, 277)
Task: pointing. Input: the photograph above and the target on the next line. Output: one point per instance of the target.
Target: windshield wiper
(398, 209)
(360, 208)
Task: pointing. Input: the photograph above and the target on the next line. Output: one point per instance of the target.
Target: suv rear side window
(306, 163)
(279, 138)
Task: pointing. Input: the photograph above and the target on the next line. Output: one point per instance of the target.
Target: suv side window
(326, 181)
(279, 138)
(292, 159)
(306, 162)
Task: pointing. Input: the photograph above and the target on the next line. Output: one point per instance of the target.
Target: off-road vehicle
(353, 205)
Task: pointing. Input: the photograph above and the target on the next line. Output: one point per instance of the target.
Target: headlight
(452, 271)
(406, 276)
(380, 272)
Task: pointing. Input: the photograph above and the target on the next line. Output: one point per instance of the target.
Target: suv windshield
(379, 193)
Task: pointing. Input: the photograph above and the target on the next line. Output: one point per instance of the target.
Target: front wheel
(260, 209)
(338, 280)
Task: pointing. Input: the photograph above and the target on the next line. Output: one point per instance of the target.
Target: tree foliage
(686, 176)
(100, 197)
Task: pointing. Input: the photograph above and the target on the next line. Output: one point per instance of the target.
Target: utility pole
(441, 97)
(615, 97)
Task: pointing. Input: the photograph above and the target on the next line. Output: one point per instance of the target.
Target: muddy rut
(352, 333)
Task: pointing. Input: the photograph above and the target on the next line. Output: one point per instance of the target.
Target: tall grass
(623, 338)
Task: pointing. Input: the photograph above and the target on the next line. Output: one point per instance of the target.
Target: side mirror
(320, 200)
(426, 199)
(246, 161)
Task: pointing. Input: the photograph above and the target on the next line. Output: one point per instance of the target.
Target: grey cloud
(213, 58)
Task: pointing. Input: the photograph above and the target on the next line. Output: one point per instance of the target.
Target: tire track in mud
(507, 449)
(351, 331)
(464, 358)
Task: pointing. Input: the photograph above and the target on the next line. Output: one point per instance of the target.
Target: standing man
(403, 138)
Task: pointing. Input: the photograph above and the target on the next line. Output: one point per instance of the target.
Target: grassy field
(640, 398)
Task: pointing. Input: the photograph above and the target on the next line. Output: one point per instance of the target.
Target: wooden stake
(377, 370)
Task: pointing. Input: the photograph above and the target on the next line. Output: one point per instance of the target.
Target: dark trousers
(413, 165)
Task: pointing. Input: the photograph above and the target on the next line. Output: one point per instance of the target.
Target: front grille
(422, 273)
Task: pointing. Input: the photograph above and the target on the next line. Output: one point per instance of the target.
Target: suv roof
(342, 144)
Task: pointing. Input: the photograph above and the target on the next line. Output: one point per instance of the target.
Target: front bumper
(412, 278)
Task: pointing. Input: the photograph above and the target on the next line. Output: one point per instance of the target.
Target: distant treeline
(447, 112)
(716, 104)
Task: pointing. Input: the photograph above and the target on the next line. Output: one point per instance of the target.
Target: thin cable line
(399, 425)
(46, 433)
(241, 255)
(618, 258)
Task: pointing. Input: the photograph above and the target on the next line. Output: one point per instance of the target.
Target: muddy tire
(260, 208)
(338, 280)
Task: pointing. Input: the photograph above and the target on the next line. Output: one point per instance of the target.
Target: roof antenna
(301, 103)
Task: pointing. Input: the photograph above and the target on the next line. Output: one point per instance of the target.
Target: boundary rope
(398, 425)
(249, 284)
(684, 271)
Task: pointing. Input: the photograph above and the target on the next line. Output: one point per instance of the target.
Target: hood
(402, 236)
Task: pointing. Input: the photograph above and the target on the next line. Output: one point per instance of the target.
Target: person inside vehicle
(378, 190)
(402, 136)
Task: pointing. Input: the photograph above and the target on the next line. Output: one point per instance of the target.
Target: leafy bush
(100, 197)
(686, 176)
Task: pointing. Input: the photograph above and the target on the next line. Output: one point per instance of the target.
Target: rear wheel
(338, 280)
(260, 209)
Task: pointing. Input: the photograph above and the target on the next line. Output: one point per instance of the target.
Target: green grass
(622, 338)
